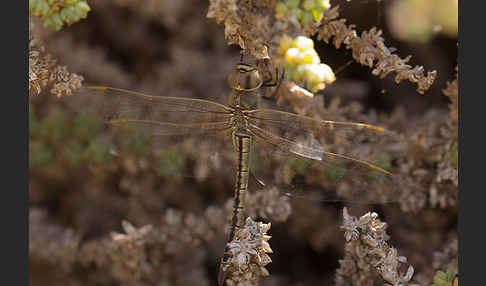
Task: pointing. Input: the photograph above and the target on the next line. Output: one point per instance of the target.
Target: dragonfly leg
(278, 81)
(270, 81)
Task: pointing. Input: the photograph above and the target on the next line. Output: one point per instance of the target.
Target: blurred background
(139, 215)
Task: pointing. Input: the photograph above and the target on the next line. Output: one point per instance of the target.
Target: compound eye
(244, 78)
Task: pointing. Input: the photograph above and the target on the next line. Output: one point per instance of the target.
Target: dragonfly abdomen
(242, 144)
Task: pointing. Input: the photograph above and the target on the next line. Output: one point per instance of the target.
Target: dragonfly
(247, 125)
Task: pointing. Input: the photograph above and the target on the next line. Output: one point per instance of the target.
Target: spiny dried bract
(249, 257)
(304, 10)
(43, 72)
(369, 50)
(55, 13)
(368, 253)
(302, 63)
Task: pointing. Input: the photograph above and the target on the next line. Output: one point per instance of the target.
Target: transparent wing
(172, 126)
(322, 160)
(145, 109)
(327, 133)
(159, 115)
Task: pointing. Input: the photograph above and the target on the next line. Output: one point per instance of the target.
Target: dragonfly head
(245, 77)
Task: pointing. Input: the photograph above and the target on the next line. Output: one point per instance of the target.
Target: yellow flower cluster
(304, 10)
(302, 63)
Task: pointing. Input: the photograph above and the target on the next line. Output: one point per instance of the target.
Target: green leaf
(384, 162)
(306, 18)
(137, 139)
(171, 164)
(55, 127)
(39, 154)
(453, 156)
(73, 153)
(99, 152)
(33, 124)
(85, 126)
(293, 3)
(335, 170)
(300, 165)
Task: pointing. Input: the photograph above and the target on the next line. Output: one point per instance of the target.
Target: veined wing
(169, 125)
(326, 153)
(292, 126)
(163, 115)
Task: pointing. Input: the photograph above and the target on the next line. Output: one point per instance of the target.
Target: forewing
(171, 126)
(124, 104)
(160, 115)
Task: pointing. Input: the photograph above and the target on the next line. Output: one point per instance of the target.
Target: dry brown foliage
(121, 223)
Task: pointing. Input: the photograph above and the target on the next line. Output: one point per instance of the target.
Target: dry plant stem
(367, 254)
(254, 27)
(170, 252)
(369, 50)
(249, 24)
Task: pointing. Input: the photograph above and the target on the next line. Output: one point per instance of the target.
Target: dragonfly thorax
(239, 122)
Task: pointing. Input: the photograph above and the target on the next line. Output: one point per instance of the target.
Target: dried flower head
(248, 251)
(44, 72)
(368, 254)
